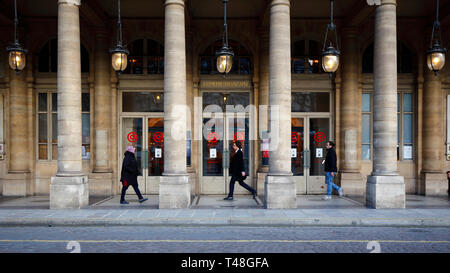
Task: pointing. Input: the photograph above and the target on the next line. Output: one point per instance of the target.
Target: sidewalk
(420, 211)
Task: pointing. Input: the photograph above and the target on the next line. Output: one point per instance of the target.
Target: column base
(280, 192)
(101, 184)
(17, 184)
(260, 184)
(352, 183)
(385, 192)
(71, 192)
(174, 192)
(434, 184)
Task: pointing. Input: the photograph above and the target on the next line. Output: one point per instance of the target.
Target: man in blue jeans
(331, 170)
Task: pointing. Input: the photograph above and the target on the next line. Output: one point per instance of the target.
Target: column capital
(280, 2)
(174, 2)
(70, 2)
(388, 2)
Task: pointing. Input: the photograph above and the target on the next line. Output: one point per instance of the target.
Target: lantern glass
(330, 63)
(17, 60)
(224, 63)
(436, 61)
(119, 61)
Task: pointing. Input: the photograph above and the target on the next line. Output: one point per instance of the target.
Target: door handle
(225, 159)
(307, 158)
(144, 160)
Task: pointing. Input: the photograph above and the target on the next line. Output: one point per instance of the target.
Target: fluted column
(174, 186)
(385, 188)
(433, 179)
(280, 190)
(350, 164)
(102, 97)
(69, 189)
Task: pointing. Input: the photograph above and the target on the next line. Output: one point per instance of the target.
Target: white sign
(293, 152)
(158, 152)
(319, 152)
(407, 152)
(212, 153)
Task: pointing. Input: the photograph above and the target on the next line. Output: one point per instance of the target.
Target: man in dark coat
(129, 175)
(331, 170)
(237, 171)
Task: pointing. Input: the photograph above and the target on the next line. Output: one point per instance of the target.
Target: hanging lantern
(436, 54)
(119, 59)
(330, 55)
(225, 54)
(17, 54)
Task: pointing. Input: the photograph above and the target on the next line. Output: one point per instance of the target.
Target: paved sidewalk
(214, 211)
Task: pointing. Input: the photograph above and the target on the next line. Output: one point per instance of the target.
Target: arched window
(146, 57)
(404, 59)
(48, 57)
(242, 61)
(305, 57)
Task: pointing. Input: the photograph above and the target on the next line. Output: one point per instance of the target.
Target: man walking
(331, 170)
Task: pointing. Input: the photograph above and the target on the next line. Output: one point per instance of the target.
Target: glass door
(308, 138)
(219, 133)
(132, 134)
(319, 134)
(238, 130)
(154, 153)
(213, 159)
(146, 134)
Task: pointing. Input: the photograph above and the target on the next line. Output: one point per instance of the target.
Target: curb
(234, 221)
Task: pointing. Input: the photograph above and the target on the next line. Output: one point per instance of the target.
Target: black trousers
(136, 189)
(241, 182)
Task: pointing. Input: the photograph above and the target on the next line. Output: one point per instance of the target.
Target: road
(223, 240)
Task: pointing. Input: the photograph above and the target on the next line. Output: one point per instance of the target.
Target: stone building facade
(65, 121)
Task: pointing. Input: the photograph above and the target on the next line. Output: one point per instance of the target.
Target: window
(48, 131)
(405, 119)
(305, 57)
(48, 57)
(405, 126)
(146, 57)
(142, 102)
(310, 102)
(242, 61)
(405, 59)
(366, 134)
(85, 126)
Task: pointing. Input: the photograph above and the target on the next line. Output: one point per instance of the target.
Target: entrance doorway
(225, 119)
(219, 133)
(308, 138)
(146, 134)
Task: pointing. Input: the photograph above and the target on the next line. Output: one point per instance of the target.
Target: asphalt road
(223, 240)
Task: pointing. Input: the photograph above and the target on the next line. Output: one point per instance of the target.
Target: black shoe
(228, 198)
(124, 202)
(143, 200)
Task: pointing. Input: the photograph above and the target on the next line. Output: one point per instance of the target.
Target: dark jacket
(237, 164)
(130, 169)
(331, 161)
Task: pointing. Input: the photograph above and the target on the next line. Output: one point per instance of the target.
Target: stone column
(174, 188)
(263, 99)
(17, 180)
(69, 188)
(385, 188)
(280, 189)
(102, 97)
(434, 181)
(101, 177)
(350, 163)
